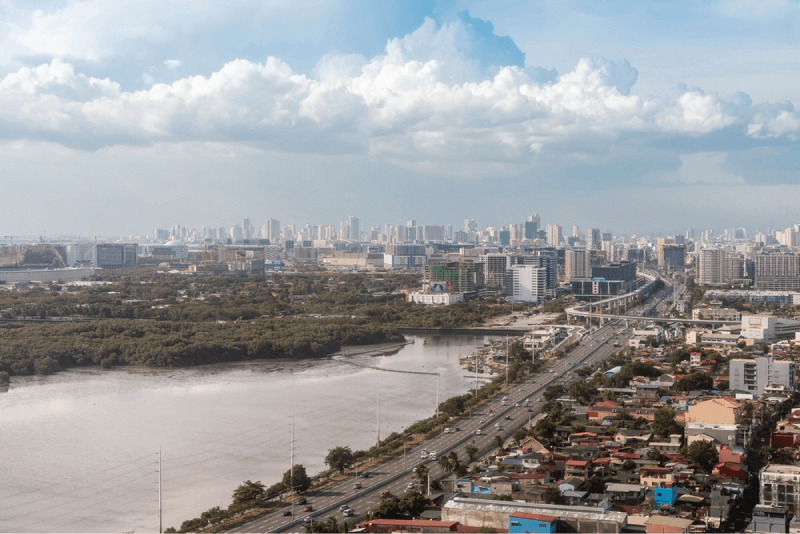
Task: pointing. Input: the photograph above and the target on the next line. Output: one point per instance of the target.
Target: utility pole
(159, 489)
(377, 418)
(291, 461)
(506, 359)
(437, 393)
(476, 373)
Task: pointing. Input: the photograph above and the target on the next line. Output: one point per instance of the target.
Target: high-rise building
(470, 225)
(674, 257)
(711, 266)
(272, 231)
(494, 269)
(247, 228)
(526, 283)
(433, 233)
(355, 232)
(777, 272)
(532, 226)
(554, 236)
(593, 239)
(577, 264)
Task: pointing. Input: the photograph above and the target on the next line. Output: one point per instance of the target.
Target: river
(79, 450)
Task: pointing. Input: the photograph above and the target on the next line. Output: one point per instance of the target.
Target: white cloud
(424, 99)
(702, 168)
(172, 64)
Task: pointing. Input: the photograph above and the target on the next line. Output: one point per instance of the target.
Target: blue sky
(646, 117)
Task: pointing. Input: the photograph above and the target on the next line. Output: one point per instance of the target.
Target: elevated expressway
(595, 310)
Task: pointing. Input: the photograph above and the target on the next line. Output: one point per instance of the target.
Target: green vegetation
(340, 458)
(41, 349)
(160, 320)
(704, 453)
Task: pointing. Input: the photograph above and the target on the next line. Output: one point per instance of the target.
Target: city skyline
(646, 120)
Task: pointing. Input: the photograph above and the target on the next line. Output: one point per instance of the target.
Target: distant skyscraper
(470, 225)
(246, 232)
(554, 236)
(577, 264)
(355, 232)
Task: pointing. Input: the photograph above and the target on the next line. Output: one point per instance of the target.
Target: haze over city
(651, 118)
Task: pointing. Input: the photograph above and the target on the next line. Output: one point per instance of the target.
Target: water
(79, 449)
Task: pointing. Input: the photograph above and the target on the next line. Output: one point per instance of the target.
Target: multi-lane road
(396, 474)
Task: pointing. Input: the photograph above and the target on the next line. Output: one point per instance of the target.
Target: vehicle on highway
(344, 507)
(508, 418)
(410, 485)
(458, 429)
(483, 420)
(308, 519)
(447, 430)
(478, 432)
(433, 457)
(287, 512)
(364, 475)
(348, 513)
(516, 405)
(301, 500)
(357, 485)
(308, 508)
(424, 455)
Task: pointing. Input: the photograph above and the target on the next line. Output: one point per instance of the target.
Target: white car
(478, 432)
(410, 485)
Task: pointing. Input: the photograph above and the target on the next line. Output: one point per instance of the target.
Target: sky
(647, 117)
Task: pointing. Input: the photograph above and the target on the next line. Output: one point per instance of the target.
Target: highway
(396, 474)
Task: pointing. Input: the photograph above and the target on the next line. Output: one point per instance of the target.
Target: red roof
(576, 463)
(535, 517)
(606, 404)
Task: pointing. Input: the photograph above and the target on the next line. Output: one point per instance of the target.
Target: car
(414, 470)
(301, 500)
(364, 475)
(433, 457)
(508, 418)
(458, 429)
(478, 432)
(308, 519)
(344, 507)
(410, 485)
(308, 508)
(287, 512)
(357, 485)
(433, 453)
(483, 420)
(348, 513)
(516, 405)
(446, 430)
(424, 455)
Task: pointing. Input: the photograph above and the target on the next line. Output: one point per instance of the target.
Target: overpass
(627, 298)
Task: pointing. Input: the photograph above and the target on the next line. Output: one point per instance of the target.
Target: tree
(446, 464)
(340, 458)
(421, 473)
(553, 392)
(553, 495)
(300, 482)
(664, 422)
(472, 451)
(247, 492)
(697, 380)
(628, 465)
(583, 392)
(498, 442)
(781, 456)
(520, 434)
(654, 455)
(703, 453)
(502, 497)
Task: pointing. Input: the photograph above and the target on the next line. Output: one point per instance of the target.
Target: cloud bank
(444, 93)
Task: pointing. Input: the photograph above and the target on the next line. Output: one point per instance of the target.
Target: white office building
(527, 283)
(755, 375)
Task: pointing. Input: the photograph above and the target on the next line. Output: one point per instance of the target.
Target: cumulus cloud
(172, 64)
(443, 93)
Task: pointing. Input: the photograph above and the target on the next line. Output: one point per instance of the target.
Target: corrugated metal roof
(576, 512)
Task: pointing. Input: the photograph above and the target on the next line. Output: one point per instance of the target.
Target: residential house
(654, 477)
(576, 469)
(720, 411)
(658, 524)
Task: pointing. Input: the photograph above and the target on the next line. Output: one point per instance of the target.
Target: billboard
(438, 287)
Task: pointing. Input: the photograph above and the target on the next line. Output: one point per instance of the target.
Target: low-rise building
(780, 486)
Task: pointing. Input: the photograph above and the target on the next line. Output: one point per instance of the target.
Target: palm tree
(472, 452)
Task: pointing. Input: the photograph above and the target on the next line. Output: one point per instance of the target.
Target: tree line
(42, 348)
